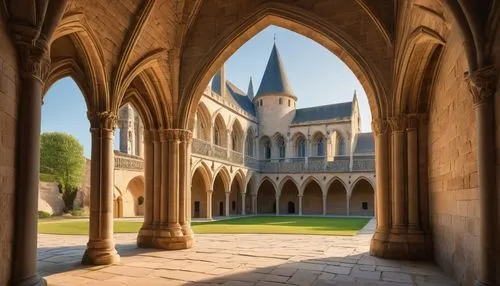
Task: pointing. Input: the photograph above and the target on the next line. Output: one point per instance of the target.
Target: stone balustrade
(128, 162)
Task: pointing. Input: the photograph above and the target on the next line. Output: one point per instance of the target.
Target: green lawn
(257, 224)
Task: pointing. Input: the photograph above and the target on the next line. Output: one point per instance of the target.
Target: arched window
(320, 147)
(281, 147)
(216, 135)
(200, 130)
(233, 141)
(249, 144)
(301, 147)
(267, 150)
(261, 102)
(341, 147)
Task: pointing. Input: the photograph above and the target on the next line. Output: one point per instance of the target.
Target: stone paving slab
(239, 260)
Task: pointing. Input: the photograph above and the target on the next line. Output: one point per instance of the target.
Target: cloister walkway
(246, 259)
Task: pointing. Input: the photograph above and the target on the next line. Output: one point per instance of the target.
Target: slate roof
(336, 111)
(250, 93)
(365, 144)
(216, 83)
(240, 97)
(274, 79)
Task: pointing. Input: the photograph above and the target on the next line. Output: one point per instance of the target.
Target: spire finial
(274, 37)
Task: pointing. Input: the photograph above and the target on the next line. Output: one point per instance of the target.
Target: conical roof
(274, 79)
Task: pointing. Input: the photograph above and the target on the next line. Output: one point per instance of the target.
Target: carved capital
(414, 119)
(35, 61)
(102, 120)
(379, 126)
(177, 135)
(397, 123)
(482, 84)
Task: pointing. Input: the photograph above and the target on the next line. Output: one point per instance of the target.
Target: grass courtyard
(255, 224)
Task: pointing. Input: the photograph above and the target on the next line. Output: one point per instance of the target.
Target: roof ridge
(325, 105)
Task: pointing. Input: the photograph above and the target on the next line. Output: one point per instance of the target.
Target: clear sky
(316, 76)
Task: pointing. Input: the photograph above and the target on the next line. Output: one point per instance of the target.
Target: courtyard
(236, 259)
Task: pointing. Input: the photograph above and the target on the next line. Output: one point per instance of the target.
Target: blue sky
(316, 75)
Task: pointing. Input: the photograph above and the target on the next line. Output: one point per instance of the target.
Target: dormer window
(261, 102)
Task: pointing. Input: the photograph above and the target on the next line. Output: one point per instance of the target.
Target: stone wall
(452, 168)
(362, 193)
(8, 115)
(82, 199)
(336, 203)
(49, 198)
(312, 201)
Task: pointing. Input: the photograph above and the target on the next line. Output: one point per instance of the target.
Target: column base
(35, 280)
(401, 245)
(174, 238)
(100, 252)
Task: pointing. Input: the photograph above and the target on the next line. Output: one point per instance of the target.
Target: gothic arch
(299, 21)
(219, 131)
(307, 181)
(330, 182)
(237, 136)
(360, 178)
(204, 116)
(225, 176)
(239, 177)
(266, 178)
(284, 180)
(205, 172)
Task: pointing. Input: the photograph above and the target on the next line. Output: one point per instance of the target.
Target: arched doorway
(135, 206)
(221, 185)
(235, 198)
(336, 199)
(312, 199)
(199, 193)
(266, 198)
(289, 200)
(361, 201)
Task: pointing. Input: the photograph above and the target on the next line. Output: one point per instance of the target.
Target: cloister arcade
(429, 69)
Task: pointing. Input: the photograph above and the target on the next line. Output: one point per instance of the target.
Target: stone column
(146, 232)
(101, 248)
(398, 124)
(324, 205)
(348, 204)
(226, 210)
(412, 175)
(482, 85)
(254, 204)
(277, 204)
(185, 182)
(209, 204)
(157, 174)
(243, 201)
(300, 204)
(379, 240)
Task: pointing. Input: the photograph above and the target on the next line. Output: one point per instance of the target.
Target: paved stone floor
(236, 260)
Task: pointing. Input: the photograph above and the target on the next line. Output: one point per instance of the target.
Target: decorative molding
(482, 84)
(398, 123)
(379, 126)
(104, 119)
(35, 61)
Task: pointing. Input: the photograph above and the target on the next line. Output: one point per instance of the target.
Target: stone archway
(336, 198)
(312, 199)
(266, 198)
(289, 198)
(198, 195)
(135, 188)
(361, 202)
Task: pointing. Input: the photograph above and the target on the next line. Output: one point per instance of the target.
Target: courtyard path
(244, 259)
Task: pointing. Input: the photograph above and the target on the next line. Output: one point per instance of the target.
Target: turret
(275, 101)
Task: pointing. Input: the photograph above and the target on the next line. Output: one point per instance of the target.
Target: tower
(274, 101)
(126, 123)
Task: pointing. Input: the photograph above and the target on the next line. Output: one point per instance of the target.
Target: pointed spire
(250, 89)
(274, 79)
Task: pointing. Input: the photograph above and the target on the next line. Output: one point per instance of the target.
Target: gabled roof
(338, 111)
(365, 144)
(240, 97)
(274, 79)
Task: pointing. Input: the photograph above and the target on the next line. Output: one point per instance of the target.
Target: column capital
(35, 61)
(210, 191)
(178, 135)
(102, 120)
(482, 83)
(379, 126)
(398, 123)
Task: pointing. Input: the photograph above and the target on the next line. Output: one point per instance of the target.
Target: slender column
(254, 204)
(348, 204)
(482, 85)
(164, 185)
(101, 248)
(398, 125)
(277, 204)
(185, 182)
(157, 176)
(324, 205)
(300, 204)
(379, 127)
(226, 211)
(173, 180)
(209, 204)
(146, 233)
(243, 198)
(412, 153)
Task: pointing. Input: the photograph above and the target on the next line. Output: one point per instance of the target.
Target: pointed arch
(336, 192)
(266, 178)
(361, 178)
(250, 142)
(299, 21)
(237, 136)
(224, 175)
(219, 136)
(204, 170)
(334, 179)
(265, 148)
(307, 181)
(362, 199)
(239, 177)
(203, 123)
(318, 144)
(286, 179)
(299, 144)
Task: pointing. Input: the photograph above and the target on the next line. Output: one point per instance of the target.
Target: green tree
(61, 155)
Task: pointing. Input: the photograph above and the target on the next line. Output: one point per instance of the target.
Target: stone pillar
(412, 175)
(140, 140)
(254, 204)
(226, 210)
(33, 53)
(277, 203)
(185, 182)
(300, 204)
(101, 248)
(157, 174)
(398, 125)
(146, 232)
(209, 204)
(348, 204)
(243, 198)
(379, 240)
(324, 205)
(482, 85)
